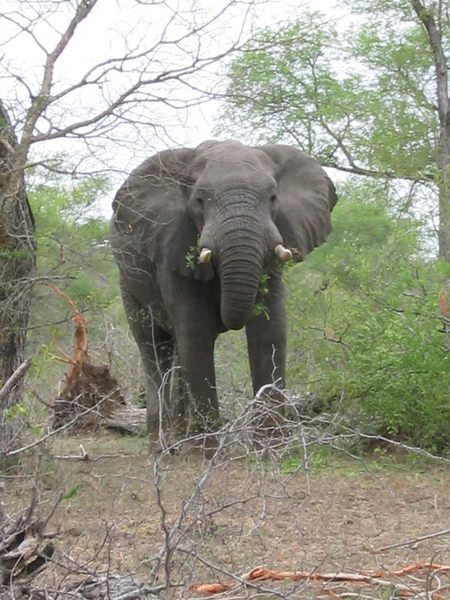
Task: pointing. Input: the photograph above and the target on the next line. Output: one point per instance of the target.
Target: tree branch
(13, 380)
(356, 170)
(440, 61)
(40, 102)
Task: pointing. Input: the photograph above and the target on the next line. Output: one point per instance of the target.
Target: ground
(234, 513)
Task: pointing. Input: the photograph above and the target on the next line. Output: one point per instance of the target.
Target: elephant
(194, 233)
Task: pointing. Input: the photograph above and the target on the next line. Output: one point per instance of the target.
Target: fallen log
(128, 419)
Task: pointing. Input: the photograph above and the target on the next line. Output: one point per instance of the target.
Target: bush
(366, 327)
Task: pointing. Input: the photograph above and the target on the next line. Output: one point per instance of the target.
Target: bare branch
(416, 540)
(14, 379)
(40, 102)
(356, 170)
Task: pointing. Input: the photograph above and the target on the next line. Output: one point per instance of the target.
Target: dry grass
(247, 512)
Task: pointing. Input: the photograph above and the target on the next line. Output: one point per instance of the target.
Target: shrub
(366, 327)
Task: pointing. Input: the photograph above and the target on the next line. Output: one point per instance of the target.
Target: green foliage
(73, 242)
(16, 411)
(192, 257)
(356, 96)
(15, 254)
(398, 107)
(370, 327)
(271, 92)
(317, 458)
(73, 254)
(73, 492)
(260, 306)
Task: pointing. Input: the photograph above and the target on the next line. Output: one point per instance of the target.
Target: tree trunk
(17, 267)
(444, 191)
(432, 27)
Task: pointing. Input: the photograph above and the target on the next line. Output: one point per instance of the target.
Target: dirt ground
(234, 514)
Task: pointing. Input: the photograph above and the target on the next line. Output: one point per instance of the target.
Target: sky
(116, 28)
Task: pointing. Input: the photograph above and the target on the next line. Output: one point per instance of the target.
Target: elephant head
(228, 210)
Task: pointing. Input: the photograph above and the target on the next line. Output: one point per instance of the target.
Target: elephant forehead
(234, 157)
(248, 184)
(231, 172)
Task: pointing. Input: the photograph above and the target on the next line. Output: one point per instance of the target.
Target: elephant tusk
(284, 254)
(205, 256)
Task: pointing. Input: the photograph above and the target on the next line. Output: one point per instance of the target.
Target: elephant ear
(150, 219)
(306, 198)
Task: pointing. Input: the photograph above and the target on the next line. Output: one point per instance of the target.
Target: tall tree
(372, 100)
(93, 100)
(17, 267)
(433, 18)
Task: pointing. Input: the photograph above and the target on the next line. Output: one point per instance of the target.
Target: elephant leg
(194, 318)
(158, 362)
(200, 403)
(266, 339)
(156, 348)
(196, 333)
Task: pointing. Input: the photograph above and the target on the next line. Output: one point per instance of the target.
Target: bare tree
(92, 102)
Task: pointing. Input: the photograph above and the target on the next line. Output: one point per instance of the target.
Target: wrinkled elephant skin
(193, 232)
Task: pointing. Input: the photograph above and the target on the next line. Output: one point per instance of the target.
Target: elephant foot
(161, 440)
(269, 422)
(185, 434)
(198, 423)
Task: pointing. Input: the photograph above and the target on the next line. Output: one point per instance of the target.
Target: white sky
(111, 28)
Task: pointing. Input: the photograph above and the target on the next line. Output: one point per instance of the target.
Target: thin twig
(416, 540)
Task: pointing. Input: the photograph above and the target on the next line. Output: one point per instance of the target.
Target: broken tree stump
(90, 394)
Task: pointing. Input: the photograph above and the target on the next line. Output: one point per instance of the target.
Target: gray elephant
(194, 232)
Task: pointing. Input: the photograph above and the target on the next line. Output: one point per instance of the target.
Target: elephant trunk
(241, 261)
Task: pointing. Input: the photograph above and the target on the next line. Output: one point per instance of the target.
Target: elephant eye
(199, 201)
(273, 197)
